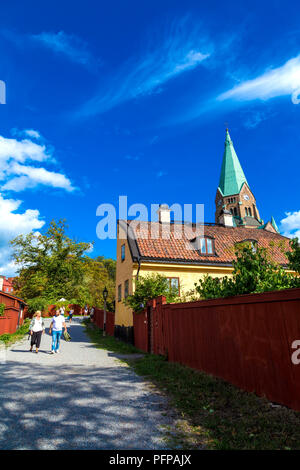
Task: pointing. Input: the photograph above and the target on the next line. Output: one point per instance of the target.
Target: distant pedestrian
(57, 324)
(36, 328)
(92, 313)
(86, 310)
(71, 313)
(62, 310)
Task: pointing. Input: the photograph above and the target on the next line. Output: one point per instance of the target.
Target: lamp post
(105, 294)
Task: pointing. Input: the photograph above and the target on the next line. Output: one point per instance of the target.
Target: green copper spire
(232, 175)
(274, 224)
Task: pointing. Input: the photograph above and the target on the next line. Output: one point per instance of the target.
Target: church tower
(234, 194)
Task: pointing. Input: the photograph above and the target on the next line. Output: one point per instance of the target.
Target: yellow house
(185, 253)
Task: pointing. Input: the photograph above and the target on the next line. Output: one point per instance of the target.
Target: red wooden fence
(52, 309)
(246, 340)
(98, 319)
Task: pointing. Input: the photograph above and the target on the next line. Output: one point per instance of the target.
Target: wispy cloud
(31, 133)
(181, 49)
(17, 160)
(252, 119)
(60, 43)
(69, 45)
(290, 225)
(281, 81)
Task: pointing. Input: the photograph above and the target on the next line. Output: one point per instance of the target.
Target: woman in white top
(37, 328)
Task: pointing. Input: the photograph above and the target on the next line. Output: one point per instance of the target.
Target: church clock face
(246, 197)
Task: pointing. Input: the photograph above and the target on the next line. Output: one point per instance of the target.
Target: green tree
(147, 288)
(51, 266)
(253, 272)
(99, 273)
(294, 255)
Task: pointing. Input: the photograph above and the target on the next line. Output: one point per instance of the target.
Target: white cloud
(16, 175)
(69, 45)
(21, 150)
(13, 223)
(31, 177)
(31, 133)
(281, 81)
(182, 49)
(290, 225)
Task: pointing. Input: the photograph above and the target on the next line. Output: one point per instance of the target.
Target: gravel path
(82, 398)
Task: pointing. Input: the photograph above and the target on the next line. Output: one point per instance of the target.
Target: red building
(14, 313)
(6, 284)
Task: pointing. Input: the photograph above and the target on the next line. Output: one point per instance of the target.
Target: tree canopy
(149, 287)
(53, 266)
(253, 272)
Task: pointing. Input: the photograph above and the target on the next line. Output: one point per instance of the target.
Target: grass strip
(214, 414)
(107, 342)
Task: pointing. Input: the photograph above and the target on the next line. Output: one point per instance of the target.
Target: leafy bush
(294, 255)
(2, 308)
(147, 288)
(253, 272)
(38, 303)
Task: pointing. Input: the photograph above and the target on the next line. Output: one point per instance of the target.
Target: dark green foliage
(147, 288)
(2, 308)
(37, 303)
(294, 255)
(53, 266)
(253, 272)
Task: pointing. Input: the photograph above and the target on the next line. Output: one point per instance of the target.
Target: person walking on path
(71, 312)
(56, 326)
(92, 313)
(36, 328)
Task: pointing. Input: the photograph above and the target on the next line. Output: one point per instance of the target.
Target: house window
(206, 246)
(122, 252)
(119, 293)
(126, 289)
(174, 284)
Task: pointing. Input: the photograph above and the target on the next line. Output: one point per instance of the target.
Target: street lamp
(105, 294)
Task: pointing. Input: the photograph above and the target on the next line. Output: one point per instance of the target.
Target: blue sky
(131, 98)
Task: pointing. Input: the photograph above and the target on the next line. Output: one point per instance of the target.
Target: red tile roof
(167, 246)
